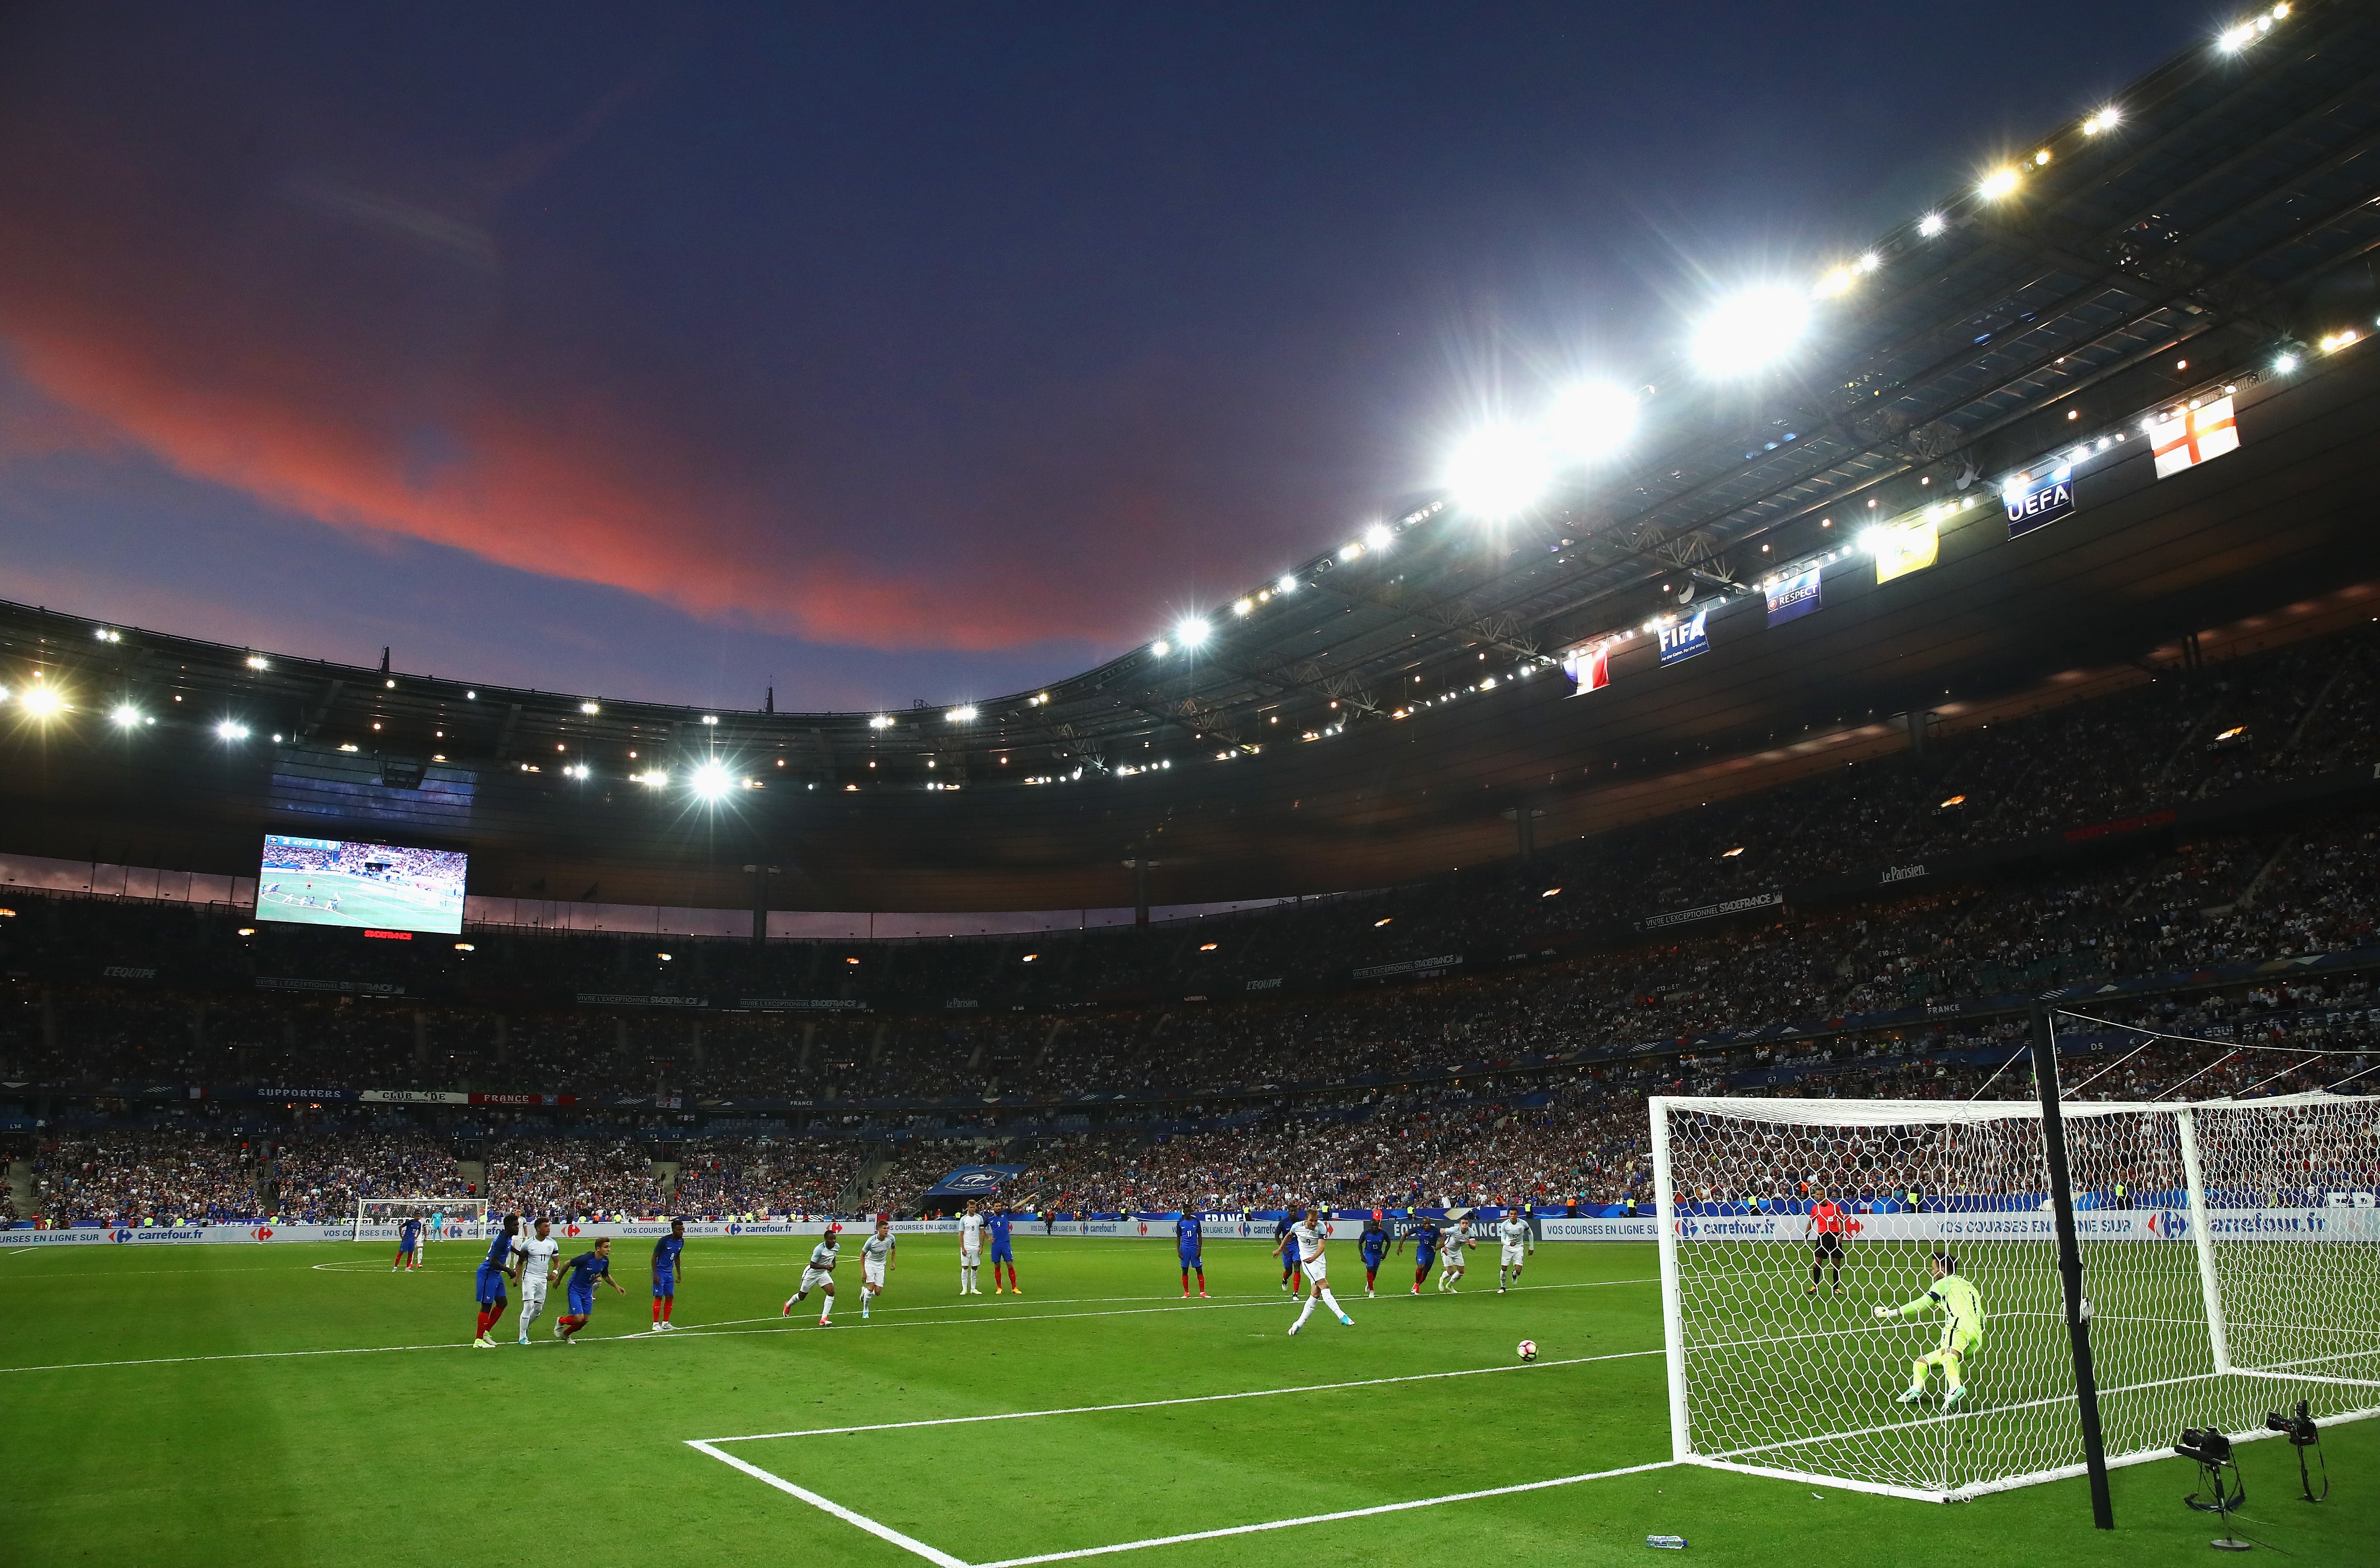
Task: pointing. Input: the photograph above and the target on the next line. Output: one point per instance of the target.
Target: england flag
(2190, 436)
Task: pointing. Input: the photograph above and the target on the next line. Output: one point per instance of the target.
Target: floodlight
(710, 781)
(41, 702)
(126, 717)
(1752, 330)
(1868, 263)
(1286, 586)
(231, 729)
(1591, 419)
(1192, 632)
(2105, 120)
(1872, 540)
(1998, 183)
(2285, 363)
(711, 718)
(589, 708)
(880, 721)
(1378, 537)
(1242, 607)
(964, 714)
(653, 778)
(1498, 470)
(1161, 647)
(2237, 39)
(1931, 225)
(256, 661)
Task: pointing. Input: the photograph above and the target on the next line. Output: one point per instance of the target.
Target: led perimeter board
(333, 882)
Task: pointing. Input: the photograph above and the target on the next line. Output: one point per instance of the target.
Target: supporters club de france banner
(1789, 598)
(1686, 638)
(1900, 551)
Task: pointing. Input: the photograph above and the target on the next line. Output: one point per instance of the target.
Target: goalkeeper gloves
(1884, 1313)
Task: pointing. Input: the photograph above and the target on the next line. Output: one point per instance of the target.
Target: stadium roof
(2210, 225)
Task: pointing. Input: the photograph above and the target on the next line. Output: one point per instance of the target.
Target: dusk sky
(880, 352)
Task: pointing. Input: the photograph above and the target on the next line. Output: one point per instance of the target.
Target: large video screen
(332, 882)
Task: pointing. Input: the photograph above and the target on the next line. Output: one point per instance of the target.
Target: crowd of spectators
(144, 1179)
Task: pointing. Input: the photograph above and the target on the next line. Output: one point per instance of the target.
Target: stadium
(1840, 866)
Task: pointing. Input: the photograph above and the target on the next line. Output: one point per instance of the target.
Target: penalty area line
(944, 1559)
(1190, 1399)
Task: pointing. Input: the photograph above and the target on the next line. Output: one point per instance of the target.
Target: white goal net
(442, 1219)
(2230, 1264)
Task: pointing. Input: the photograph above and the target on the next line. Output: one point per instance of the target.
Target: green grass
(363, 900)
(444, 1456)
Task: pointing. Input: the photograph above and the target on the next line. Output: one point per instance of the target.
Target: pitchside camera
(2217, 1493)
(2205, 1444)
(2303, 1433)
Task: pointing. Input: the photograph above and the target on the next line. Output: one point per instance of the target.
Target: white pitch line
(885, 1532)
(1326, 1518)
(1156, 1404)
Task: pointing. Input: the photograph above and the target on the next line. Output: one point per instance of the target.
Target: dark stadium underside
(2231, 227)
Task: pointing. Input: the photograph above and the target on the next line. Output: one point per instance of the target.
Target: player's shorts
(1192, 1258)
(813, 1278)
(1001, 1252)
(664, 1285)
(1372, 1260)
(1454, 1259)
(1317, 1268)
(532, 1291)
(1956, 1341)
(582, 1303)
(871, 1273)
(491, 1284)
(1829, 1243)
(1289, 1260)
(1514, 1255)
(970, 1257)
(1423, 1260)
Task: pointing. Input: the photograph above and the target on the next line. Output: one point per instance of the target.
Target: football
(1528, 1350)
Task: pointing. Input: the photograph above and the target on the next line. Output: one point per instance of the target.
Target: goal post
(2228, 1263)
(456, 1219)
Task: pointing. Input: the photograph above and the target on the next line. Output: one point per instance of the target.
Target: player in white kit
(970, 1249)
(875, 1261)
(818, 1274)
(1450, 1255)
(537, 1254)
(1514, 1235)
(1309, 1240)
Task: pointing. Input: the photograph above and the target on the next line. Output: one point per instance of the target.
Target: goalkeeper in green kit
(1962, 1330)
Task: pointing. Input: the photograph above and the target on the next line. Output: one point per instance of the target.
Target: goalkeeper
(1962, 1330)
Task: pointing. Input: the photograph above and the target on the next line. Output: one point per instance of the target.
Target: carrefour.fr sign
(2033, 503)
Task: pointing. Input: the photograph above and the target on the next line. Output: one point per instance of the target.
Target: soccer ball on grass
(1528, 1351)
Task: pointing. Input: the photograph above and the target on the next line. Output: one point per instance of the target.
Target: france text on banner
(2032, 501)
(1589, 666)
(1900, 551)
(1789, 598)
(2191, 436)
(1685, 639)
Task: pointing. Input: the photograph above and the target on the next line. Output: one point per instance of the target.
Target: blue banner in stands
(2033, 502)
(1789, 598)
(1685, 639)
(975, 1181)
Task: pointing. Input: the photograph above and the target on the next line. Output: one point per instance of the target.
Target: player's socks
(1304, 1313)
(1323, 1292)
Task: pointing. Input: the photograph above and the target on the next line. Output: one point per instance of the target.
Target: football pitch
(363, 900)
(301, 1405)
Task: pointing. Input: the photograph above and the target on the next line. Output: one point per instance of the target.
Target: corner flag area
(288, 1404)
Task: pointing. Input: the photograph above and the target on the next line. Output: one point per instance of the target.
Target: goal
(2230, 1267)
(442, 1219)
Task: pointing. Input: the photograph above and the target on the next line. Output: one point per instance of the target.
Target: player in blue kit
(1292, 1277)
(579, 1275)
(1424, 1233)
(495, 1270)
(668, 1258)
(408, 1244)
(1190, 1242)
(1374, 1247)
(999, 1222)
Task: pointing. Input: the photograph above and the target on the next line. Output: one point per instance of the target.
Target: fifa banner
(975, 1181)
(1685, 639)
(1905, 549)
(1789, 598)
(2345, 1217)
(2034, 502)
(1588, 667)
(2188, 437)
